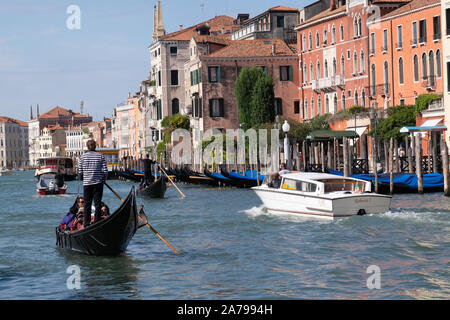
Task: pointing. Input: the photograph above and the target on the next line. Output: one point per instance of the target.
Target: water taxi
(61, 165)
(321, 195)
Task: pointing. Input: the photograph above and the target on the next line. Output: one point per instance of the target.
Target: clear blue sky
(43, 62)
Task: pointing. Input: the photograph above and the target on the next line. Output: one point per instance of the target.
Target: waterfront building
(56, 116)
(76, 142)
(214, 68)
(52, 142)
(165, 92)
(13, 143)
(405, 60)
(445, 39)
(275, 23)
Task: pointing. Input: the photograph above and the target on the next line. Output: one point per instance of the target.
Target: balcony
(429, 83)
(328, 84)
(379, 89)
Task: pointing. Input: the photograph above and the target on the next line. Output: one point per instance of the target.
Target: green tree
(262, 103)
(171, 123)
(243, 90)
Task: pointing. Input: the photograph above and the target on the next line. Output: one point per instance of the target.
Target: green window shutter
(218, 74)
(200, 108)
(192, 80)
(209, 74)
(291, 76)
(200, 74)
(281, 73)
(222, 109)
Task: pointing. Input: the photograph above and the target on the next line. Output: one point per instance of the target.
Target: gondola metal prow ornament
(145, 221)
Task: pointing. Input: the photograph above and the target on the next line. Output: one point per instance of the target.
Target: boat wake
(261, 211)
(418, 216)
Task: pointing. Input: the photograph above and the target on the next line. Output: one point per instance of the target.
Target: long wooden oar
(173, 182)
(147, 224)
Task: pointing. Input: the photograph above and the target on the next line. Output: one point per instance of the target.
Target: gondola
(155, 190)
(130, 176)
(221, 179)
(193, 177)
(242, 181)
(107, 237)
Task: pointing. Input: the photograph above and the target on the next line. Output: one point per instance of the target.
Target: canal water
(230, 249)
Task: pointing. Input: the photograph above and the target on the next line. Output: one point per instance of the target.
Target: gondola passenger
(70, 217)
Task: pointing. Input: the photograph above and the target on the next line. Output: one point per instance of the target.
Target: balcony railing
(429, 82)
(328, 84)
(379, 89)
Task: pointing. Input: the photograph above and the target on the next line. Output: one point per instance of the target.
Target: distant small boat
(107, 237)
(321, 195)
(51, 184)
(5, 172)
(156, 189)
(62, 165)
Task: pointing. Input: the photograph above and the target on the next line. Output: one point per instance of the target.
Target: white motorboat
(322, 195)
(5, 172)
(51, 184)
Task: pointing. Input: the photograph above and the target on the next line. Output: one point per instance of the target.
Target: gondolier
(93, 170)
(148, 177)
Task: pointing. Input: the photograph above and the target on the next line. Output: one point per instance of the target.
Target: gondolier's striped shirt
(93, 168)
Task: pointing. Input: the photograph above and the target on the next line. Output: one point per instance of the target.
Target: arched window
(424, 66)
(438, 64)
(327, 105)
(355, 27)
(325, 69)
(341, 32)
(318, 70)
(355, 63)
(356, 98)
(306, 107)
(319, 104)
(343, 101)
(431, 79)
(373, 81)
(386, 77)
(334, 67)
(311, 73)
(361, 61)
(312, 107)
(400, 70)
(333, 35)
(335, 106)
(342, 65)
(175, 106)
(416, 67)
(317, 39)
(359, 27)
(309, 41)
(363, 98)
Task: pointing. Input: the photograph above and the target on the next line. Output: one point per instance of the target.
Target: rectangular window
(399, 37)
(414, 33)
(385, 40)
(436, 27)
(422, 31)
(448, 76)
(372, 43)
(280, 22)
(296, 107)
(174, 77)
(174, 50)
(278, 107)
(214, 74)
(159, 79)
(447, 21)
(159, 110)
(286, 73)
(216, 108)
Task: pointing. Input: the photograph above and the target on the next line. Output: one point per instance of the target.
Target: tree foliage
(255, 97)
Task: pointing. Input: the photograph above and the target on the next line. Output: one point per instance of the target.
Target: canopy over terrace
(330, 135)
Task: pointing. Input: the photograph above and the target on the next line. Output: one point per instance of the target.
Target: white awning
(359, 130)
(431, 123)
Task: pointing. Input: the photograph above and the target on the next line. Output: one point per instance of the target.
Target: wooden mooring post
(391, 166)
(419, 164)
(444, 154)
(345, 153)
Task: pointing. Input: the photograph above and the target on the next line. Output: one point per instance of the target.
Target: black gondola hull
(156, 189)
(107, 237)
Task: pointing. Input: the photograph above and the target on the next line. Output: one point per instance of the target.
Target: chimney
(332, 4)
(37, 111)
(31, 112)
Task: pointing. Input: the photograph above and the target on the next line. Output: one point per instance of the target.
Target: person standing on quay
(92, 168)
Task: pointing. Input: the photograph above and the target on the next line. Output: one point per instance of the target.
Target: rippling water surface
(230, 249)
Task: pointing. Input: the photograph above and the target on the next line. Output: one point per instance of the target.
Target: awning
(423, 128)
(330, 134)
(359, 130)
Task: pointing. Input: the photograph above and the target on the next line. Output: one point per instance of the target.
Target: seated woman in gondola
(70, 217)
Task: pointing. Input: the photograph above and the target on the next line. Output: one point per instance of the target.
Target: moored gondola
(243, 181)
(110, 236)
(156, 189)
(193, 177)
(221, 179)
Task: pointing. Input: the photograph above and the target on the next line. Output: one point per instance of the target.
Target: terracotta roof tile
(282, 8)
(58, 111)
(412, 5)
(216, 25)
(11, 120)
(326, 13)
(253, 48)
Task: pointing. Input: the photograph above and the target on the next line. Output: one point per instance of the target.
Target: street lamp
(286, 127)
